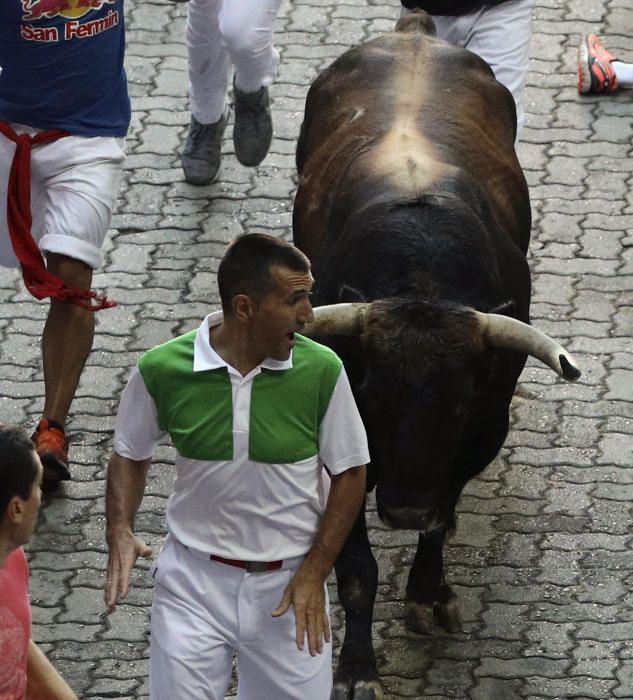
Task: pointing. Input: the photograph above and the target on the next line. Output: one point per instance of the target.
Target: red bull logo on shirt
(70, 10)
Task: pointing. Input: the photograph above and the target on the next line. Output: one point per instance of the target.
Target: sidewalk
(541, 560)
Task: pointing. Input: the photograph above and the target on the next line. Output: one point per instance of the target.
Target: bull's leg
(356, 676)
(429, 598)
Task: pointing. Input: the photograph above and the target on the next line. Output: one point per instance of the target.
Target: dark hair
(18, 469)
(246, 266)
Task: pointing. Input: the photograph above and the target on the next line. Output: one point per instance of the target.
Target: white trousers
(228, 33)
(74, 185)
(499, 34)
(204, 611)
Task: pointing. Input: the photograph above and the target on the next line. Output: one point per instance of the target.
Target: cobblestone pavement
(541, 558)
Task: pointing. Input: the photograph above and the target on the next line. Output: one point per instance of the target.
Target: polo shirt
(250, 450)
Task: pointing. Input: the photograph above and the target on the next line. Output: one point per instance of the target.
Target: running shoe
(202, 154)
(51, 444)
(253, 129)
(595, 72)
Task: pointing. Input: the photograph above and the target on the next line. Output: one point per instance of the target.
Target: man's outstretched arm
(125, 486)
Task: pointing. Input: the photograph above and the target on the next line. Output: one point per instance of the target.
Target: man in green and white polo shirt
(255, 412)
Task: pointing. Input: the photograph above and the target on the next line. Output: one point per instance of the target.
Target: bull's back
(403, 116)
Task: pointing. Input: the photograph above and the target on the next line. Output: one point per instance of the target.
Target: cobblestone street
(541, 559)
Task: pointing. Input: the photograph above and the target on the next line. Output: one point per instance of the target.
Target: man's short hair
(246, 266)
(18, 469)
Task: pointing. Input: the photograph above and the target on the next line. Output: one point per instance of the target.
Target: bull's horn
(339, 319)
(505, 332)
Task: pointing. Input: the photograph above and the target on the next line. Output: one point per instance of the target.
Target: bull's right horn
(339, 319)
(505, 332)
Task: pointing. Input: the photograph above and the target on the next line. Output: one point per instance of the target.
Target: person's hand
(125, 548)
(306, 595)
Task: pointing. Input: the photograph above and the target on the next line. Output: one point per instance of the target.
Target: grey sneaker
(253, 129)
(203, 151)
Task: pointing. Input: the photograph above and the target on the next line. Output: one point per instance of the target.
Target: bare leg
(66, 344)
(67, 339)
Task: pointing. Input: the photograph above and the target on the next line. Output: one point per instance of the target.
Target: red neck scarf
(38, 280)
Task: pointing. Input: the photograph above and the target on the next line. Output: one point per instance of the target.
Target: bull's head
(496, 331)
(426, 380)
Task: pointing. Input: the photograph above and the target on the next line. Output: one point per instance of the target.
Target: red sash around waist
(38, 280)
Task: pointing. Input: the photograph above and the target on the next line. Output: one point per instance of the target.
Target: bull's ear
(508, 308)
(349, 295)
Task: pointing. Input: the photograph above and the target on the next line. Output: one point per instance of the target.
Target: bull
(415, 213)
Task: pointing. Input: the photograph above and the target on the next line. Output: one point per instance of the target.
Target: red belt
(250, 566)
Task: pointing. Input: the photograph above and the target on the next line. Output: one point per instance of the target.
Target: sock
(55, 424)
(623, 72)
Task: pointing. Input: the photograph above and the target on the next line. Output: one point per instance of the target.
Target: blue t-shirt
(62, 65)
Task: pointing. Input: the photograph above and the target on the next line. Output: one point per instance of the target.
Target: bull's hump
(406, 158)
(404, 155)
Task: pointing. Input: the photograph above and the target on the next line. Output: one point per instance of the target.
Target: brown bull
(411, 203)
(410, 114)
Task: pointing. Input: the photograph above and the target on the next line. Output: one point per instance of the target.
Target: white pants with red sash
(74, 185)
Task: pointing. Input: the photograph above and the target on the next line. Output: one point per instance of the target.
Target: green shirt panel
(287, 406)
(195, 408)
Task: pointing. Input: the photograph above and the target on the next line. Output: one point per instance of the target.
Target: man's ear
(15, 510)
(243, 307)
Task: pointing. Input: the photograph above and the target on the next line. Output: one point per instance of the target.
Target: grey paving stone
(540, 560)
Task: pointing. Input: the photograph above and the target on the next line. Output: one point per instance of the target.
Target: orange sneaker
(51, 444)
(595, 72)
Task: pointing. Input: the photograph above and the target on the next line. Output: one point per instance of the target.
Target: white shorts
(74, 185)
(204, 611)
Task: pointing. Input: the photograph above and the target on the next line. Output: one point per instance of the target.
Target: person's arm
(305, 591)
(135, 435)
(125, 486)
(43, 681)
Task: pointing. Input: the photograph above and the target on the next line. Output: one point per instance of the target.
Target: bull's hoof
(447, 616)
(361, 690)
(422, 618)
(418, 617)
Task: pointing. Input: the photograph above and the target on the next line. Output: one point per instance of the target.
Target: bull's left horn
(339, 319)
(505, 332)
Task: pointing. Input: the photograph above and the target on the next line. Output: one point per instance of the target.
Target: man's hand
(125, 549)
(125, 485)
(306, 590)
(306, 595)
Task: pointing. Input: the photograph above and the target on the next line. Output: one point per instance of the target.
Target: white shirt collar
(205, 357)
